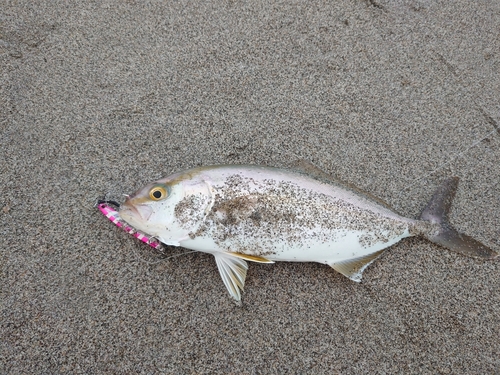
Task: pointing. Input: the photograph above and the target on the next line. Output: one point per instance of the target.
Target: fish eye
(157, 193)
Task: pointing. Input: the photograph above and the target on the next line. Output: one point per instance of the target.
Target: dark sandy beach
(103, 97)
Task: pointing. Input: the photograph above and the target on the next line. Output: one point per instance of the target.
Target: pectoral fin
(353, 268)
(233, 272)
(251, 258)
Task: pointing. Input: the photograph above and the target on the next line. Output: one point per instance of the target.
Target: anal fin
(233, 272)
(251, 258)
(353, 268)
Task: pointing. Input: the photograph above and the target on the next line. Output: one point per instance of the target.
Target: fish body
(263, 214)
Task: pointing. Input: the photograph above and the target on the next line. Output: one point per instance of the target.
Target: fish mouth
(137, 212)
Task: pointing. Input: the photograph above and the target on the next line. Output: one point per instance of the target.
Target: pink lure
(113, 215)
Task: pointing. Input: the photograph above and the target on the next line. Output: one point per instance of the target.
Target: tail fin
(436, 212)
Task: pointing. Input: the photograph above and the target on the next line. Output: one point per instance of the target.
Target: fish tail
(442, 233)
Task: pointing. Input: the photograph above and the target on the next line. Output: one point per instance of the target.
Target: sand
(100, 98)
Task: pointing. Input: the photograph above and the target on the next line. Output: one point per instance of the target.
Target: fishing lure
(114, 217)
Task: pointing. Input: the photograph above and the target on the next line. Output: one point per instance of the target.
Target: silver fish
(242, 213)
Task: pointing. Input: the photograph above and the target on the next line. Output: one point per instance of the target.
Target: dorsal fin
(353, 268)
(318, 174)
(251, 258)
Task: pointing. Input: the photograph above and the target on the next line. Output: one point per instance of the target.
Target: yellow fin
(251, 258)
(353, 268)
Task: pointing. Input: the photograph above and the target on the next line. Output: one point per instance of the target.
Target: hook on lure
(114, 203)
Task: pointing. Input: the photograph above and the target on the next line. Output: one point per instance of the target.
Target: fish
(248, 213)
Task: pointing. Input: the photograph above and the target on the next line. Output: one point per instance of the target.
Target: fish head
(168, 209)
(151, 210)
